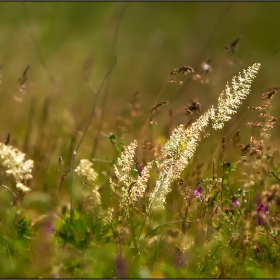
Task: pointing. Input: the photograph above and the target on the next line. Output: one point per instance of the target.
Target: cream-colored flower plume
(232, 97)
(85, 169)
(92, 198)
(14, 163)
(132, 186)
(176, 154)
(181, 146)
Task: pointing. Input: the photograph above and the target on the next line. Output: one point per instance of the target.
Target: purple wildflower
(262, 210)
(197, 192)
(266, 211)
(234, 202)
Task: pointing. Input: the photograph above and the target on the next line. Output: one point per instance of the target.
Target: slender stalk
(206, 45)
(29, 123)
(83, 136)
(222, 184)
(166, 224)
(42, 61)
(72, 184)
(133, 235)
(105, 97)
(144, 221)
(150, 114)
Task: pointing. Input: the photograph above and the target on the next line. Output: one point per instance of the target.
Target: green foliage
(24, 229)
(218, 196)
(118, 145)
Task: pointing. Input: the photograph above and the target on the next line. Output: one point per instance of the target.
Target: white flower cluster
(182, 144)
(176, 154)
(13, 161)
(133, 192)
(232, 97)
(133, 186)
(92, 197)
(125, 162)
(95, 207)
(180, 148)
(85, 169)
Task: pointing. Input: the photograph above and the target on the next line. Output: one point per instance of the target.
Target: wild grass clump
(170, 204)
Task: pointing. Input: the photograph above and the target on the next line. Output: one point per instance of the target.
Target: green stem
(72, 184)
(84, 133)
(163, 225)
(133, 235)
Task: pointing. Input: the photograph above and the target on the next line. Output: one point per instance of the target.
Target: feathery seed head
(232, 97)
(13, 161)
(85, 169)
(177, 152)
(132, 186)
(181, 146)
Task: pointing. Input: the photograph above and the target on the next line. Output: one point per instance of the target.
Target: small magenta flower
(234, 202)
(140, 170)
(262, 211)
(263, 208)
(198, 192)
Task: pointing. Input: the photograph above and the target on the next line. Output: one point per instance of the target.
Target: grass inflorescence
(157, 189)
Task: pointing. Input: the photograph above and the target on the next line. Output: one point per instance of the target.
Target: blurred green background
(66, 41)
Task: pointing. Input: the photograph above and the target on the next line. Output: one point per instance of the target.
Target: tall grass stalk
(84, 133)
(105, 96)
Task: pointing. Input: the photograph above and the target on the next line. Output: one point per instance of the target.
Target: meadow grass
(140, 186)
